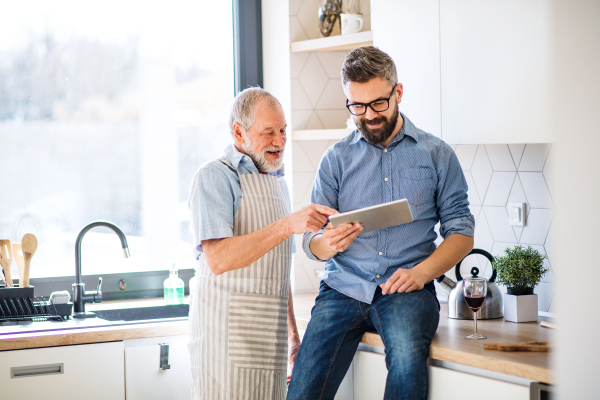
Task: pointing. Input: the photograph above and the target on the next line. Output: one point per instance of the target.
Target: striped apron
(238, 320)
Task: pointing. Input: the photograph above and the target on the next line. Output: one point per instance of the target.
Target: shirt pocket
(258, 331)
(418, 186)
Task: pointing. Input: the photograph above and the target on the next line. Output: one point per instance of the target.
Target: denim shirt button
(380, 253)
(377, 276)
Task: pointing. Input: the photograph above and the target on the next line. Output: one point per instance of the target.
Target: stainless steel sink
(170, 312)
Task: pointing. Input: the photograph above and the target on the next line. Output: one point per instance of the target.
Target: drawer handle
(35, 370)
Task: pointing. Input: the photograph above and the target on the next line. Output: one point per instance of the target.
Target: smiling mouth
(274, 153)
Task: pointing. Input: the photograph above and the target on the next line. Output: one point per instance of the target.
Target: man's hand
(293, 347)
(309, 219)
(404, 281)
(338, 239)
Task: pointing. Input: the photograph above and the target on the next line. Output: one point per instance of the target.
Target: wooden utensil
(6, 260)
(29, 245)
(20, 260)
(519, 346)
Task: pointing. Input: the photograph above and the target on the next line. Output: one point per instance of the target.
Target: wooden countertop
(450, 345)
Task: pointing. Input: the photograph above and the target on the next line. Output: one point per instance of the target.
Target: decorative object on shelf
(350, 124)
(351, 23)
(6, 259)
(457, 306)
(520, 270)
(329, 12)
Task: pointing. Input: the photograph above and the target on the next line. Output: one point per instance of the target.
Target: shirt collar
(407, 129)
(236, 158)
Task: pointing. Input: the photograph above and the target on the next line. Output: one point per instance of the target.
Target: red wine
(474, 302)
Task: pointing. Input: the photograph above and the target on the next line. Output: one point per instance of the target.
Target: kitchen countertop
(448, 343)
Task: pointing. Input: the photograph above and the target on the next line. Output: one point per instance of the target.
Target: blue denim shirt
(417, 166)
(215, 196)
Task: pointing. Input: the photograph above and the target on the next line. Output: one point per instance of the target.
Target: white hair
(244, 106)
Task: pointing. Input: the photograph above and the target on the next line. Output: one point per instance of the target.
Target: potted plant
(520, 270)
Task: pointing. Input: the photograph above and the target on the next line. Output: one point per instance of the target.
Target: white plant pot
(523, 308)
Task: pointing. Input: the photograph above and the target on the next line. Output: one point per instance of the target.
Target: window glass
(106, 111)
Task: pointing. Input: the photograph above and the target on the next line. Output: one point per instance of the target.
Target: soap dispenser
(173, 287)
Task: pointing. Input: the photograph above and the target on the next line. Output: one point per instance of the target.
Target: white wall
(577, 62)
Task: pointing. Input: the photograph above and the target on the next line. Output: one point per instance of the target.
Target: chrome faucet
(80, 296)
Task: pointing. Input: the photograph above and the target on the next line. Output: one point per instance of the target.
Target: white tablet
(376, 217)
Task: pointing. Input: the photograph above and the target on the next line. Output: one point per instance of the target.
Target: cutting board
(519, 346)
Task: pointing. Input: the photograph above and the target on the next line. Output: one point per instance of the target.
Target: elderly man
(381, 280)
(241, 308)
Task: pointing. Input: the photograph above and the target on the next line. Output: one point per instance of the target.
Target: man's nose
(370, 114)
(279, 140)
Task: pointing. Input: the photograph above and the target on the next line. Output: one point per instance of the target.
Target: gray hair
(365, 63)
(244, 106)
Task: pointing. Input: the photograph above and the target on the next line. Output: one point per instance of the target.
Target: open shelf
(320, 134)
(335, 43)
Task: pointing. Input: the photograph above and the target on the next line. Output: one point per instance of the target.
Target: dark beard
(379, 135)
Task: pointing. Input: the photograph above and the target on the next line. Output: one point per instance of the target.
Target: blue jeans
(406, 323)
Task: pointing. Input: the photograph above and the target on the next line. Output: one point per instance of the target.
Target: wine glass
(474, 290)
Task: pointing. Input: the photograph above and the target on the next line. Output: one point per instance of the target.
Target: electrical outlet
(517, 214)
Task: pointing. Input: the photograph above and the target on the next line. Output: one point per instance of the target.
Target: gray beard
(260, 160)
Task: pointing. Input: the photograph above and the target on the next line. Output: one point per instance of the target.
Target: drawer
(91, 371)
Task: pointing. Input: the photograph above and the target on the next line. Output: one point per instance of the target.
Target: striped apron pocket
(258, 331)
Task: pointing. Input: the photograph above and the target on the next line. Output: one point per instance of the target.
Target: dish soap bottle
(173, 287)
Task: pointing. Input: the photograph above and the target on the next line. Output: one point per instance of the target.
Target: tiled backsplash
(496, 175)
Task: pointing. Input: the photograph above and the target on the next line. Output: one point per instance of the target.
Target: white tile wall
(492, 230)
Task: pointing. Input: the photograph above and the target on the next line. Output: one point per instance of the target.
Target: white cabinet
(496, 64)
(370, 374)
(409, 31)
(145, 380)
(473, 71)
(447, 384)
(90, 371)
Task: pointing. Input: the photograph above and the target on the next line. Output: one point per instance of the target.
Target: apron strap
(225, 161)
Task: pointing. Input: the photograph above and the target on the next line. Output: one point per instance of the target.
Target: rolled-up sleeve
(325, 192)
(452, 201)
(211, 202)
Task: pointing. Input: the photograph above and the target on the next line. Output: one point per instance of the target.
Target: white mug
(351, 23)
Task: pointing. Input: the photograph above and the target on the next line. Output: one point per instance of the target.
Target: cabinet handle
(164, 356)
(35, 370)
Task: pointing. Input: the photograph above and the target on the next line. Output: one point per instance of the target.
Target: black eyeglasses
(379, 105)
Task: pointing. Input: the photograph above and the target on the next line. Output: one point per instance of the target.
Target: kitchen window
(106, 111)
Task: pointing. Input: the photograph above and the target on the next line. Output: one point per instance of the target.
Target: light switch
(516, 214)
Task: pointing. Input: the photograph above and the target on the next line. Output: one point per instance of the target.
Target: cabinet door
(446, 384)
(145, 380)
(495, 67)
(409, 31)
(370, 374)
(90, 371)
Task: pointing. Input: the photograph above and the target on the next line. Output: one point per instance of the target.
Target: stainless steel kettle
(493, 306)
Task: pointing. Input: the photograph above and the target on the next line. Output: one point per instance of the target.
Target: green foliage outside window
(520, 267)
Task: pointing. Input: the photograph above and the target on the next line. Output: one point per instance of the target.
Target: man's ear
(238, 133)
(399, 92)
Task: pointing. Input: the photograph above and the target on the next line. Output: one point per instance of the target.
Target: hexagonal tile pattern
(295, 6)
(498, 220)
(314, 122)
(499, 189)
(483, 235)
(333, 97)
(297, 62)
(332, 62)
(466, 154)
(549, 171)
(299, 99)
(516, 151)
(538, 225)
(313, 79)
(534, 157)
(300, 119)
(545, 292)
(474, 198)
(500, 157)
(300, 160)
(308, 15)
(297, 32)
(481, 171)
(333, 119)
(315, 149)
(536, 190)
